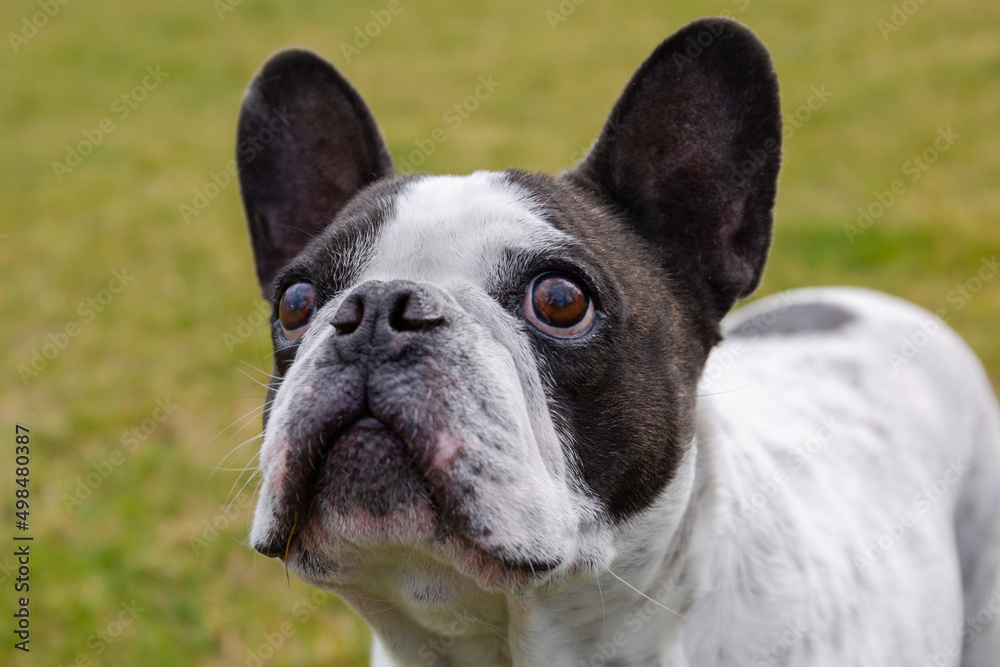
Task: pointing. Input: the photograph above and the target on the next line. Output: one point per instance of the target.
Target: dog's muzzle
(398, 428)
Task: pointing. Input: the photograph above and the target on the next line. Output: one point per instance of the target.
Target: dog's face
(485, 377)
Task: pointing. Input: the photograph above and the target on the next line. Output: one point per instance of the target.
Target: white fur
(826, 439)
(860, 447)
(451, 230)
(843, 451)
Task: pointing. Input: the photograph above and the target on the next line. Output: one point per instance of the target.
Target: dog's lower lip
(271, 549)
(369, 423)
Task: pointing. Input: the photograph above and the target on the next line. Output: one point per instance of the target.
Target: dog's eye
(296, 309)
(558, 305)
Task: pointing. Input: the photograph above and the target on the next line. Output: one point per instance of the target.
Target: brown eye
(558, 306)
(296, 309)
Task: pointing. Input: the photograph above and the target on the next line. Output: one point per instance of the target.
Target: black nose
(380, 312)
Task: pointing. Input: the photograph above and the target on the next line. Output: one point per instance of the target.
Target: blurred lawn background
(144, 535)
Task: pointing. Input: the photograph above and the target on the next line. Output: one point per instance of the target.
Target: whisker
(729, 391)
(259, 370)
(233, 454)
(375, 600)
(288, 547)
(604, 613)
(233, 496)
(645, 596)
(380, 611)
(253, 504)
(252, 378)
(252, 417)
(465, 616)
(551, 195)
(237, 421)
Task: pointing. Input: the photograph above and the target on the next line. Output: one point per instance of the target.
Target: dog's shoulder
(853, 361)
(867, 341)
(841, 411)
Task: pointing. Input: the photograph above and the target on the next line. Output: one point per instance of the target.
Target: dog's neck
(633, 613)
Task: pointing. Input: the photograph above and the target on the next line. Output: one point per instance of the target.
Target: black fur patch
(307, 144)
(691, 152)
(674, 202)
(800, 318)
(626, 392)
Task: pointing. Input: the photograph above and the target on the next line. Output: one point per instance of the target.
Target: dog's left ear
(307, 143)
(690, 155)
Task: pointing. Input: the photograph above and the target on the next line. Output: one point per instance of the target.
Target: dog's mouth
(361, 468)
(369, 487)
(369, 467)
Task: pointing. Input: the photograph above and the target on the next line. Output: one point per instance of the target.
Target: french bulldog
(508, 424)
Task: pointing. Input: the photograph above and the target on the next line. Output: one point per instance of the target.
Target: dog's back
(858, 443)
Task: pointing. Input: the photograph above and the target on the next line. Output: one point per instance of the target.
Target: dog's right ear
(690, 153)
(306, 144)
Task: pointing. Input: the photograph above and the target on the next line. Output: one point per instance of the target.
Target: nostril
(349, 316)
(414, 310)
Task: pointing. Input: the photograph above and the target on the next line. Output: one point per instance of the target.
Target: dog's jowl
(491, 431)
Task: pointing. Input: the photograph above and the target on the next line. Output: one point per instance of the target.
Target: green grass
(162, 336)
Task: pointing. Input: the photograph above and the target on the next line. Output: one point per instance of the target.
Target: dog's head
(486, 375)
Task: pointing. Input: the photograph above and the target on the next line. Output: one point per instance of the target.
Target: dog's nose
(380, 311)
